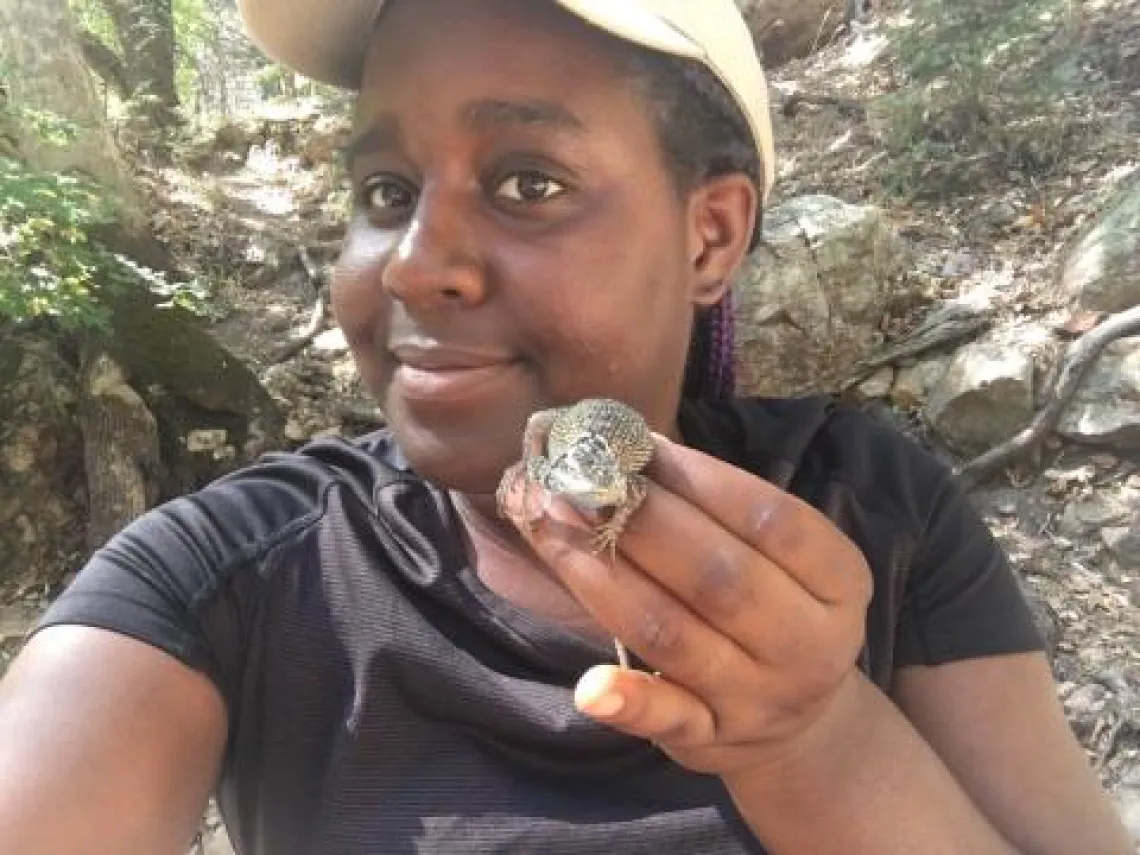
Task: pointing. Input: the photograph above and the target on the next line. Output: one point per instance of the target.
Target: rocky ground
(976, 278)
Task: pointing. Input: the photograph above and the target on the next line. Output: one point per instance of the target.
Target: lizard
(592, 454)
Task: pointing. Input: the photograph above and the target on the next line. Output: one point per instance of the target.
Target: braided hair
(703, 134)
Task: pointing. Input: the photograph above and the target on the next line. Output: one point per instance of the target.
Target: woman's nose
(435, 263)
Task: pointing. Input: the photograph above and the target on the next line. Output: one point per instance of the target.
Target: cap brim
(323, 41)
(328, 42)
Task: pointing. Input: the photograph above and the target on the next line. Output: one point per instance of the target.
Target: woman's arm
(866, 781)
(749, 608)
(107, 744)
(987, 765)
(997, 724)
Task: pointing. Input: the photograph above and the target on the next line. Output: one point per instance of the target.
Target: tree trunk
(121, 448)
(106, 63)
(145, 29)
(44, 70)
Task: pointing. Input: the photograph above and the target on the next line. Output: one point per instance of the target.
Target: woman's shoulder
(808, 443)
(186, 575)
(284, 490)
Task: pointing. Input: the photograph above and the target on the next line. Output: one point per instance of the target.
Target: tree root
(1079, 357)
(318, 317)
(848, 107)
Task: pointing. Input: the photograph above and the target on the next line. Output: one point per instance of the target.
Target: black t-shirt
(382, 700)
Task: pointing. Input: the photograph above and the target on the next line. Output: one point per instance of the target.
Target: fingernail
(605, 705)
(595, 693)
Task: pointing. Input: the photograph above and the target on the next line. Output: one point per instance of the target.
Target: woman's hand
(747, 602)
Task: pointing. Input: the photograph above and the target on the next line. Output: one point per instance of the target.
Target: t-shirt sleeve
(188, 577)
(962, 598)
(152, 582)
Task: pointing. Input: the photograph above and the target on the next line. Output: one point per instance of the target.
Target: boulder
(984, 397)
(790, 29)
(42, 485)
(1123, 543)
(1101, 271)
(121, 448)
(1128, 804)
(1106, 408)
(1098, 509)
(914, 383)
(810, 299)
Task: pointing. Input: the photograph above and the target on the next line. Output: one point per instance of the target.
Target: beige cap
(327, 41)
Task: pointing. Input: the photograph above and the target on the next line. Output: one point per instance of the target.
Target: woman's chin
(456, 457)
(457, 475)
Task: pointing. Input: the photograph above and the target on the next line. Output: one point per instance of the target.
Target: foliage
(52, 264)
(51, 128)
(992, 89)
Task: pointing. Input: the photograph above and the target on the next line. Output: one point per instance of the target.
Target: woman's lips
(441, 374)
(449, 384)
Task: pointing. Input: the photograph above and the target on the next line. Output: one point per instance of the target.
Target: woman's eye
(529, 187)
(387, 195)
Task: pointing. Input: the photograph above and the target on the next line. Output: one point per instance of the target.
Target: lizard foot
(507, 485)
(522, 470)
(605, 538)
(607, 533)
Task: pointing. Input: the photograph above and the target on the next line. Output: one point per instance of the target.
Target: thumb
(644, 705)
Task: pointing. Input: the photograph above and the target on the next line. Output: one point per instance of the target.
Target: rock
(1105, 461)
(121, 449)
(1128, 803)
(43, 514)
(809, 300)
(168, 348)
(1124, 543)
(206, 440)
(1007, 507)
(1094, 511)
(16, 619)
(958, 265)
(1084, 706)
(1106, 408)
(1101, 271)
(913, 383)
(213, 837)
(790, 29)
(330, 341)
(878, 385)
(984, 397)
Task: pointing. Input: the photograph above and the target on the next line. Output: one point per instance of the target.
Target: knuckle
(721, 584)
(660, 637)
(772, 523)
(681, 733)
(787, 646)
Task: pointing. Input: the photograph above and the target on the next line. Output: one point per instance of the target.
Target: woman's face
(517, 241)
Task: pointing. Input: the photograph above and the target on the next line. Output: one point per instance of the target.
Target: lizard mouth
(587, 475)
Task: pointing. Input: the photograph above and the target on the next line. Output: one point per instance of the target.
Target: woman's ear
(722, 213)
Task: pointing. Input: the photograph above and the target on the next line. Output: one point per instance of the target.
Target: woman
(831, 653)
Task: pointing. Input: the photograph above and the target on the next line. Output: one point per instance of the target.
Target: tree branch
(1079, 357)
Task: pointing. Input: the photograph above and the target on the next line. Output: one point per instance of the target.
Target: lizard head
(587, 474)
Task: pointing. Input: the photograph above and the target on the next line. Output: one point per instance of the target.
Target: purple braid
(719, 367)
(709, 374)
